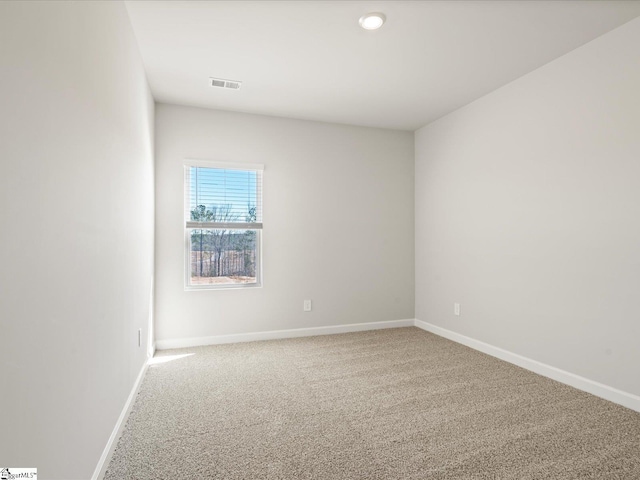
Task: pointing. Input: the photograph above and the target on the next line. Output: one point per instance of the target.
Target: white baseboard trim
(278, 334)
(614, 395)
(103, 463)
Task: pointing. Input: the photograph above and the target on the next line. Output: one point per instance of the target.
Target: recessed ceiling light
(372, 21)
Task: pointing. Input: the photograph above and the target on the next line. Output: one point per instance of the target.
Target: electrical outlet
(139, 337)
(456, 309)
(307, 306)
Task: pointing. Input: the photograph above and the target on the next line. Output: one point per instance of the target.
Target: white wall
(76, 230)
(338, 223)
(528, 214)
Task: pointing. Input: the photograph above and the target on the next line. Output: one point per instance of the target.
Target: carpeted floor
(387, 404)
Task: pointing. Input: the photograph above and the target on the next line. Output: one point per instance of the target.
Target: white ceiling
(311, 60)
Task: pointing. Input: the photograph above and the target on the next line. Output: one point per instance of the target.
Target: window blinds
(223, 196)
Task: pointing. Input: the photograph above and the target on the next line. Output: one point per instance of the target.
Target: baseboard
(103, 463)
(278, 334)
(620, 397)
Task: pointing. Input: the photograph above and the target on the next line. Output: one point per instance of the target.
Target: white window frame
(188, 225)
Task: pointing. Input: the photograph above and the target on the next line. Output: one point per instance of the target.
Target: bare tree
(200, 214)
(220, 237)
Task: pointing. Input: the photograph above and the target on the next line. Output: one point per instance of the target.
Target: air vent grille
(222, 83)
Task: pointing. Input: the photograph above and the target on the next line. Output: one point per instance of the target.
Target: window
(223, 223)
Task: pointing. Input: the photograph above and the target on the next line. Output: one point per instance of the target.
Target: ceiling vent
(222, 83)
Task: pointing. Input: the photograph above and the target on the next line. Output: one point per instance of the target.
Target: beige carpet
(387, 404)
